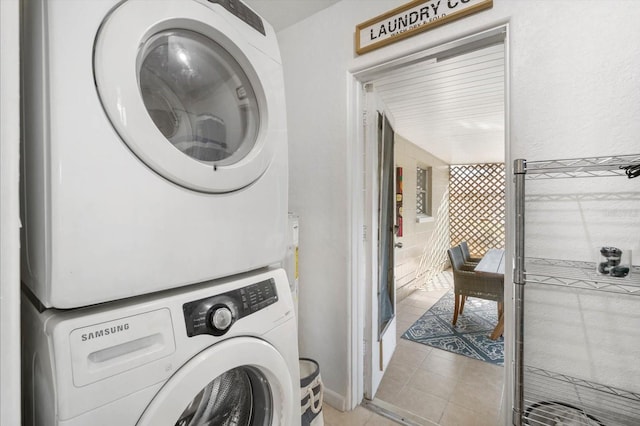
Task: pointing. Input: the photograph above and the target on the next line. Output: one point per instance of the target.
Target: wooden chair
(467, 283)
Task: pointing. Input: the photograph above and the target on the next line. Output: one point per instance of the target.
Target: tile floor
(435, 386)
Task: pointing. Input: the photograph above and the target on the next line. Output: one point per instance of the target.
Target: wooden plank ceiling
(453, 107)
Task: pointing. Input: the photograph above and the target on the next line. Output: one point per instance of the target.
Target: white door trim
(357, 76)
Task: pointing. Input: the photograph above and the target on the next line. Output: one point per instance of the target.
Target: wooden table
(492, 264)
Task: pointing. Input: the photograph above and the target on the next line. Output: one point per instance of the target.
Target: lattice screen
(434, 254)
(476, 206)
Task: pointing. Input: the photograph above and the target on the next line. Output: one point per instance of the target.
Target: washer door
(183, 96)
(240, 381)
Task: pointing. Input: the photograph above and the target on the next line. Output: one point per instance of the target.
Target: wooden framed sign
(411, 19)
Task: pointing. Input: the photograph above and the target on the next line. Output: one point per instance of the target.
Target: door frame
(360, 241)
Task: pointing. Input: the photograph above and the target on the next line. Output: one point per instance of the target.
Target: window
(423, 194)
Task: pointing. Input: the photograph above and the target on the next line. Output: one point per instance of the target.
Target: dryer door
(241, 381)
(180, 84)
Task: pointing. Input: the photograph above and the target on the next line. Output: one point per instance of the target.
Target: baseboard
(404, 291)
(335, 400)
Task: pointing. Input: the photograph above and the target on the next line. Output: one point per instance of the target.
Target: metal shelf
(540, 396)
(611, 406)
(579, 274)
(580, 167)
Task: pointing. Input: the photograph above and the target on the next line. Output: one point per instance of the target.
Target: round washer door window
(240, 396)
(199, 97)
(241, 381)
(181, 88)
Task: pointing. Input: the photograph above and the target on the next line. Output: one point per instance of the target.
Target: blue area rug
(470, 337)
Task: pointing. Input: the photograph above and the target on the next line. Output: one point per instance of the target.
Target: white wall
(574, 92)
(415, 235)
(315, 55)
(9, 216)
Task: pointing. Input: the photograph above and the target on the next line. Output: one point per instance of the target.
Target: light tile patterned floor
(438, 386)
(358, 417)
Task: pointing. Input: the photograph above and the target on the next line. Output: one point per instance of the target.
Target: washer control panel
(215, 315)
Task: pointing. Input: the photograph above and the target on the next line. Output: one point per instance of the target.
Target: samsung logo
(104, 332)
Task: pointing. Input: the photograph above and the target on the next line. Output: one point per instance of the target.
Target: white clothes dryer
(221, 353)
(155, 146)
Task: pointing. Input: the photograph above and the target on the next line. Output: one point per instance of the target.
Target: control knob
(221, 319)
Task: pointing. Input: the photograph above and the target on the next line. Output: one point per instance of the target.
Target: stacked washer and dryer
(154, 216)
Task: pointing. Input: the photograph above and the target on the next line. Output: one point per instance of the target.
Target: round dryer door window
(189, 94)
(199, 97)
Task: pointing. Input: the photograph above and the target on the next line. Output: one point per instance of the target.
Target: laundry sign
(411, 19)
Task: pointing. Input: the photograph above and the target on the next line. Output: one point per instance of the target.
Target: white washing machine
(221, 353)
(155, 146)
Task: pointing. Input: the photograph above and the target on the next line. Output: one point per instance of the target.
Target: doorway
(363, 253)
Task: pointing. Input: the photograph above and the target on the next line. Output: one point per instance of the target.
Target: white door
(381, 325)
(180, 86)
(240, 381)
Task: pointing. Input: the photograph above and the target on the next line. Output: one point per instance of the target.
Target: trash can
(311, 393)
